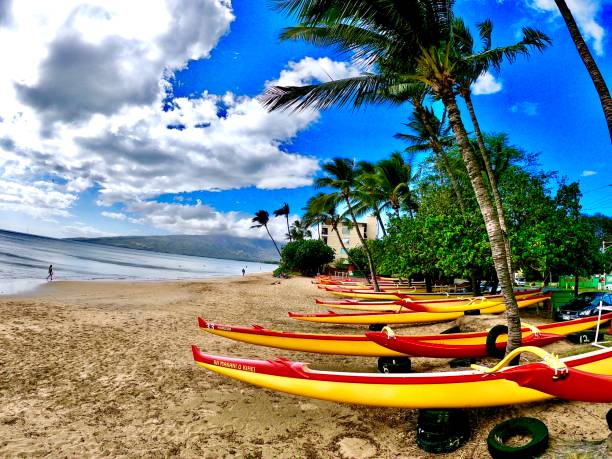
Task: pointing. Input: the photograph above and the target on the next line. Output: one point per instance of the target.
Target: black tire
(394, 364)
(453, 329)
(492, 336)
(443, 421)
(609, 418)
(472, 312)
(445, 445)
(376, 327)
(535, 428)
(461, 363)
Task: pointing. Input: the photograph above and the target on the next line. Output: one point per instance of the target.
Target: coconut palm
(404, 43)
(341, 175)
(428, 132)
(368, 195)
(261, 218)
(322, 208)
(299, 231)
(589, 62)
(284, 210)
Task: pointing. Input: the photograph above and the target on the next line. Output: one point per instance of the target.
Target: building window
(345, 241)
(324, 230)
(346, 230)
(343, 252)
(324, 239)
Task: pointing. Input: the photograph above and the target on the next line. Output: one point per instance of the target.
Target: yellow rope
(552, 360)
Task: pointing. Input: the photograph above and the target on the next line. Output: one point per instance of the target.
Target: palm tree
(589, 62)
(322, 208)
(428, 132)
(405, 43)
(368, 195)
(284, 210)
(341, 176)
(395, 176)
(261, 218)
(299, 231)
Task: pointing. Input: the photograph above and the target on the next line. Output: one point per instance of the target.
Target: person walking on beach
(243, 271)
(50, 275)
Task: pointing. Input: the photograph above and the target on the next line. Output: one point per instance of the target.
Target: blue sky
(85, 148)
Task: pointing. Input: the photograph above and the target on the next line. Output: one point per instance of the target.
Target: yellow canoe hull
(329, 345)
(484, 392)
(398, 318)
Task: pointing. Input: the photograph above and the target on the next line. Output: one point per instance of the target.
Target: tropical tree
(406, 43)
(299, 231)
(589, 62)
(284, 210)
(261, 218)
(322, 208)
(368, 195)
(428, 132)
(341, 175)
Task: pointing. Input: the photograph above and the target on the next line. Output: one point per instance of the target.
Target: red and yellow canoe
(583, 377)
(405, 317)
(474, 345)
(375, 344)
(438, 305)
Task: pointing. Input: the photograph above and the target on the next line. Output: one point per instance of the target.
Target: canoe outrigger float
(584, 377)
(405, 317)
(387, 344)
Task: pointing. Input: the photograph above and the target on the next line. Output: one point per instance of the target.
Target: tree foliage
(306, 256)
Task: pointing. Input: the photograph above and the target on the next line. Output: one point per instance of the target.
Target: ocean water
(25, 259)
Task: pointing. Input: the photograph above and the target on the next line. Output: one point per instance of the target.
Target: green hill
(212, 246)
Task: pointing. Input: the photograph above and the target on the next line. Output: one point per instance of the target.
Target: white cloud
(587, 173)
(526, 108)
(82, 97)
(486, 84)
(199, 219)
(585, 13)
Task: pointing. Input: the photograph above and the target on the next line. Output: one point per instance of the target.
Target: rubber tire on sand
(394, 364)
(518, 426)
(492, 336)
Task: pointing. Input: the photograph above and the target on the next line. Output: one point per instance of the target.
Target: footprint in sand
(356, 448)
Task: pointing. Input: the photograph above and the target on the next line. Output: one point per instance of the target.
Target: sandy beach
(104, 369)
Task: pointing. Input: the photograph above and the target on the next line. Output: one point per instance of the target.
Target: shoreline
(32, 290)
(105, 369)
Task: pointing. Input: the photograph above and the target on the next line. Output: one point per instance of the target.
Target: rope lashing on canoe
(389, 331)
(552, 360)
(474, 299)
(534, 330)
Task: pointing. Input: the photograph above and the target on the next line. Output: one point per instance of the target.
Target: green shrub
(306, 256)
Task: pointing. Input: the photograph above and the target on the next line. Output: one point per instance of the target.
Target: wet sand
(104, 369)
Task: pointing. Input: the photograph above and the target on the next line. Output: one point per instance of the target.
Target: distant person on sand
(243, 271)
(50, 275)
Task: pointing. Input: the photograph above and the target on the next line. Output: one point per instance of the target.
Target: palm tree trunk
(589, 63)
(496, 239)
(492, 180)
(438, 150)
(380, 222)
(273, 241)
(363, 243)
(288, 230)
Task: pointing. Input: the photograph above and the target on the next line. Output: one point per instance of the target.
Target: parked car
(584, 305)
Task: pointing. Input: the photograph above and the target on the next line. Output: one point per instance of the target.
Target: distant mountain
(211, 246)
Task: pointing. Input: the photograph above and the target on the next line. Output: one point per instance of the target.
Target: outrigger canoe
(583, 377)
(376, 344)
(473, 345)
(404, 317)
(440, 305)
(392, 295)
